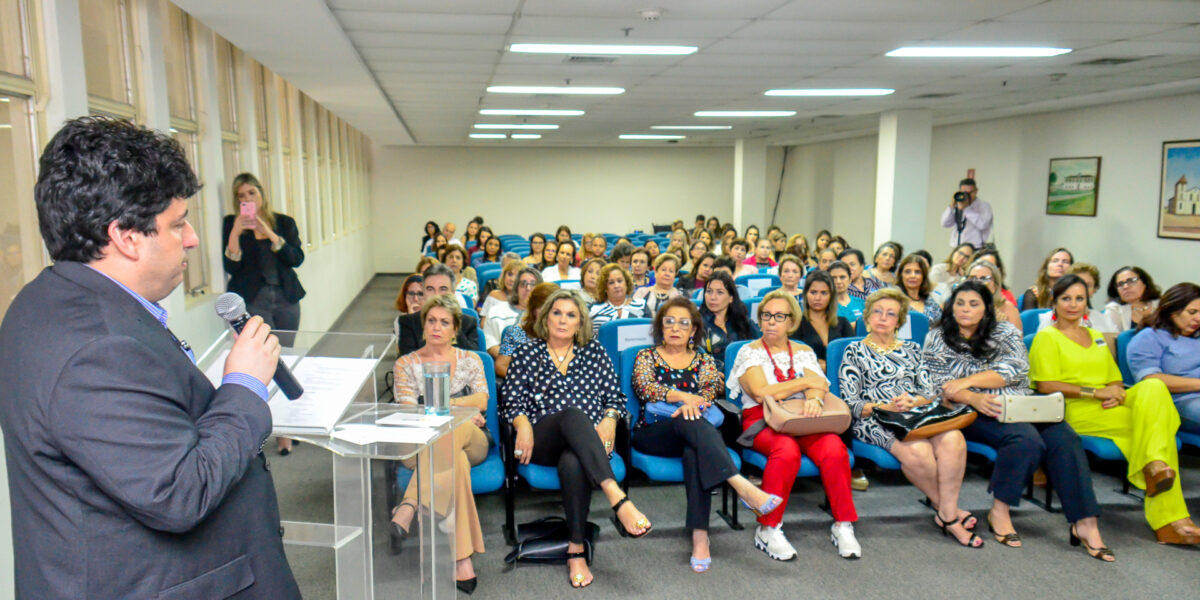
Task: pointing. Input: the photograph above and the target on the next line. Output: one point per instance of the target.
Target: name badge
(1100, 342)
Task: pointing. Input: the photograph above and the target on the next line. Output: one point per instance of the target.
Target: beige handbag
(785, 417)
(1032, 409)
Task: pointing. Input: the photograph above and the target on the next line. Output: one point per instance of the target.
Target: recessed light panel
(976, 52)
(554, 89)
(604, 49)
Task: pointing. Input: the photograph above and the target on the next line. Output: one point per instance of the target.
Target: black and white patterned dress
(868, 376)
(534, 386)
(1009, 360)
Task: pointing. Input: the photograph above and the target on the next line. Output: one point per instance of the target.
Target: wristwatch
(612, 413)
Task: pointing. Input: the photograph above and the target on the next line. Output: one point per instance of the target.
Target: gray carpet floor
(903, 553)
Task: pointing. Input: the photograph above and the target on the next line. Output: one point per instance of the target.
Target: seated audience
(585, 247)
(725, 264)
(562, 396)
(1168, 349)
(697, 250)
(714, 227)
(992, 255)
(914, 282)
(952, 271)
(448, 230)
(860, 287)
(727, 237)
(823, 239)
(621, 254)
(974, 357)
(838, 244)
(501, 292)
(778, 243)
(470, 238)
(1053, 267)
(665, 267)
(847, 305)
(883, 372)
(441, 318)
(589, 278)
(825, 258)
(700, 275)
(820, 323)
(988, 274)
(456, 259)
(549, 254)
(440, 241)
(652, 250)
(598, 247)
(725, 317)
(517, 334)
(498, 283)
(751, 237)
(1132, 298)
(639, 266)
(1095, 319)
(776, 366)
(614, 300)
(424, 263)
(679, 239)
(675, 371)
(491, 252)
(1142, 421)
(431, 231)
(738, 249)
(563, 234)
(438, 280)
(791, 272)
(797, 246)
(705, 236)
(537, 245)
(503, 314)
(763, 258)
(883, 264)
(563, 269)
(411, 296)
(485, 234)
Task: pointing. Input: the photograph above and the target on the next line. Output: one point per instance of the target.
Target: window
(324, 187)
(308, 159)
(179, 55)
(21, 255)
(231, 156)
(14, 44)
(227, 88)
(108, 56)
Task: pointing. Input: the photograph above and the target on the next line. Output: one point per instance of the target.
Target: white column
(65, 73)
(148, 19)
(902, 177)
(749, 184)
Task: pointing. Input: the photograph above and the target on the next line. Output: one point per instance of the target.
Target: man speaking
(130, 475)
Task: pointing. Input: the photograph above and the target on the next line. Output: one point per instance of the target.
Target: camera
(962, 197)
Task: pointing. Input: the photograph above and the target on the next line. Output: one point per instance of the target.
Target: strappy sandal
(945, 525)
(1012, 540)
(578, 580)
(642, 522)
(767, 507)
(701, 565)
(1103, 553)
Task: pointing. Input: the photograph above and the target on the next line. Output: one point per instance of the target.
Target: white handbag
(1032, 409)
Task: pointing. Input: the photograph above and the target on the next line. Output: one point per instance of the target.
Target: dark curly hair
(980, 345)
(97, 170)
(1150, 293)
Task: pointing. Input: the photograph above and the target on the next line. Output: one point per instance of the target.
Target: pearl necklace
(892, 347)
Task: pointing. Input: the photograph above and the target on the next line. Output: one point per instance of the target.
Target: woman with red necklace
(777, 366)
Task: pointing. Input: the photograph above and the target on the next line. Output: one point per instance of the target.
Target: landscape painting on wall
(1179, 191)
(1074, 186)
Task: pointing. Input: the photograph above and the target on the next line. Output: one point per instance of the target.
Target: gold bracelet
(1087, 392)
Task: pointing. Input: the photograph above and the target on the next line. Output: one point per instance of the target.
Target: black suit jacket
(245, 276)
(411, 333)
(130, 475)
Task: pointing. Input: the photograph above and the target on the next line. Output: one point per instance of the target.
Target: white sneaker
(842, 536)
(772, 541)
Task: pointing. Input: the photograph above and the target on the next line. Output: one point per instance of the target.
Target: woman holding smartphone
(262, 251)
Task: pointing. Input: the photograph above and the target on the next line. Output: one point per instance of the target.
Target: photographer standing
(968, 217)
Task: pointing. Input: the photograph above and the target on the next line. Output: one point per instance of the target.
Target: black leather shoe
(467, 586)
(396, 537)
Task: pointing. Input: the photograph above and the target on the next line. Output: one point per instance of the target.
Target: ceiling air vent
(1108, 62)
(590, 60)
(935, 96)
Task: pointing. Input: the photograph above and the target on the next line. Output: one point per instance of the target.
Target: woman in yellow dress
(1141, 420)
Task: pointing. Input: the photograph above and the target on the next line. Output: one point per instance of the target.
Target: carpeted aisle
(904, 555)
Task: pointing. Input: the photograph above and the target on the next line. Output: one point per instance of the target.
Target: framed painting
(1074, 186)
(1179, 191)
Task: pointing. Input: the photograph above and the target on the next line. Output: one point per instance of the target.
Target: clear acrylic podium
(349, 536)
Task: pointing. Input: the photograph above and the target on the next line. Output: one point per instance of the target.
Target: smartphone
(250, 210)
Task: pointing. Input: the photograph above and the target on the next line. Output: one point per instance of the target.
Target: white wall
(830, 186)
(522, 190)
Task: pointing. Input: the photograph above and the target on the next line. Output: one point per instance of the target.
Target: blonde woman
(666, 266)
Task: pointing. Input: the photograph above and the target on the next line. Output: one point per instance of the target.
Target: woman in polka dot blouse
(562, 397)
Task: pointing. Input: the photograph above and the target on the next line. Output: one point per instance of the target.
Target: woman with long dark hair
(1132, 298)
(725, 317)
(431, 230)
(1168, 348)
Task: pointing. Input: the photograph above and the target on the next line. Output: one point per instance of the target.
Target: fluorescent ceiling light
(514, 126)
(603, 49)
(650, 136)
(526, 136)
(487, 136)
(530, 112)
(745, 113)
(833, 92)
(554, 89)
(976, 51)
(693, 127)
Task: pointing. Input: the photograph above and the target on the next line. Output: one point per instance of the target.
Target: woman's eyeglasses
(672, 321)
(1124, 283)
(767, 317)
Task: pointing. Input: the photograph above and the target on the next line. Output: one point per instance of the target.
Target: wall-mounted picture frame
(1073, 188)
(1179, 191)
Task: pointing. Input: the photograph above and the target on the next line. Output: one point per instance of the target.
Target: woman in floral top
(676, 373)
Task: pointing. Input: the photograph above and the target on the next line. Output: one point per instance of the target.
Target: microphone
(232, 308)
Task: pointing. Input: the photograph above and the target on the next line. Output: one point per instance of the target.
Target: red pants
(783, 452)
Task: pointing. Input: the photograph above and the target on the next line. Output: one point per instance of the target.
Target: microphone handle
(288, 384)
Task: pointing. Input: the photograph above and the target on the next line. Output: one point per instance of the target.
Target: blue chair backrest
(1029, 342)
(1123, 355)
(731, 352)
(752, 308)
(757, 282)
(619, 334)
(698, 295)
(914, 330)
(489, 372)
(484, 277)
(767, 290)
(487, 267)
(472, 312)
(476, 254)
(577, 237)
(625, 369)
(570, 284)
(744, 293)
(467, 302)
(1029, 319)
(833, 361)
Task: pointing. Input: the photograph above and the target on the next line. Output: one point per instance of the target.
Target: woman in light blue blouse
(1169, 349)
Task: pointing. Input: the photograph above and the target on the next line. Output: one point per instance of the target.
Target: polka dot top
(534, 387)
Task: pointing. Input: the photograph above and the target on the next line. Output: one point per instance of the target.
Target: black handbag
(925, 421)
(544, 541)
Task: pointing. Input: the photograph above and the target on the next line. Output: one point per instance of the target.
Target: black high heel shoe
(397, 534)
(466, 586)
(945, 525)
(1102, 553)
(643, 523)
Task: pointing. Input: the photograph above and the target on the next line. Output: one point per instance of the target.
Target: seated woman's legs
(783, 463)
(828, 453)
(936, 466)
(1068, 471)
(1019, 451)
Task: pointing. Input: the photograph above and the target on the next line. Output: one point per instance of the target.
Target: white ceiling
(432, 60)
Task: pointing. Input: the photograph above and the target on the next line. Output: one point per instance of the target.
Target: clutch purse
(660, 411)
(1032, 409)
(786, 417)
(925, 421)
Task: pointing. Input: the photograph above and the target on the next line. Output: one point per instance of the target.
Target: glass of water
(437, 388)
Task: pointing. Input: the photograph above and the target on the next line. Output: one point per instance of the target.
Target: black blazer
(246, 274)
(411, 334)
(809, 336)
(130, 475)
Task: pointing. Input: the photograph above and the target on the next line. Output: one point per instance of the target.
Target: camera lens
(961, 196)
